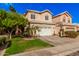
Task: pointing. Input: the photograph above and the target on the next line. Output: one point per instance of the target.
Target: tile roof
(38, 12)
(66, 12)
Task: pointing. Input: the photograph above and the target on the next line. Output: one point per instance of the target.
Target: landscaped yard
(19, 45)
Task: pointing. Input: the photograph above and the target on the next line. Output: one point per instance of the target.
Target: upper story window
(64, 20)
(46, 17)
(68, 21)
(32, 16)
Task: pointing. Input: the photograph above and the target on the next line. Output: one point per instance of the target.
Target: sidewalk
(2, 52)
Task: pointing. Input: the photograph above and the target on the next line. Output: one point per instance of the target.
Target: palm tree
(31, 30)
(34, 29)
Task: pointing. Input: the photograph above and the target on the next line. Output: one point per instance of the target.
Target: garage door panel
(45, 32)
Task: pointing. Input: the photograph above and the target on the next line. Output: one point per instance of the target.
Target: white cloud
(75, 23)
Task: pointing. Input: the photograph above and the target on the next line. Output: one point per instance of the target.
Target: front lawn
(19, 45)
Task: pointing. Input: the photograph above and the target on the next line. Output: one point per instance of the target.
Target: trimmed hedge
(71, 34)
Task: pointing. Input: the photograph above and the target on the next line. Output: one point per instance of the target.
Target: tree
(20, 22)
(9, 25)
(31, 30)
(12, 20)
(2, 14)
(34, 30)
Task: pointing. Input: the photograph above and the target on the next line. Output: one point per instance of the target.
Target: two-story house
(48, 23)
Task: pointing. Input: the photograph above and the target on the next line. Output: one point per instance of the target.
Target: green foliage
(31, 30)
(20, 45)
(71, 34)
(14, 19)
(8, 23)
(11, 20)
(3, 41)
(2, 14)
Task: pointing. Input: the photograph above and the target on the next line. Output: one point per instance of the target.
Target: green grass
(20, 45)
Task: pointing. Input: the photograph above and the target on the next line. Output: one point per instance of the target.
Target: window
(64, 20)
(32, 16)
(46, 17)
(68, 21)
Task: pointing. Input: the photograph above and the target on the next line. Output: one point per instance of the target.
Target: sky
(55, 8)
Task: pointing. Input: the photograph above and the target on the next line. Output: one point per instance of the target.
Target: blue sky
(55, 8)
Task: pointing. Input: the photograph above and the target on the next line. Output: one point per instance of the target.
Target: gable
(37, 12)
(64, 13)
(67, 14)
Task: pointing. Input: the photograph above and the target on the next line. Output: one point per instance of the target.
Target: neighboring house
(77, 28)
(48, 23)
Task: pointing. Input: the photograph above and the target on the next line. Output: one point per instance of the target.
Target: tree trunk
(10, 36)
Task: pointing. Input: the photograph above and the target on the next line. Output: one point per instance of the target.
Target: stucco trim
(41, 23)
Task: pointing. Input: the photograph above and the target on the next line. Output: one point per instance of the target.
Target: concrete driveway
(55, 40)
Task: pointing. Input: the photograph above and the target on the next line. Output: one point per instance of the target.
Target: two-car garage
(46, 31)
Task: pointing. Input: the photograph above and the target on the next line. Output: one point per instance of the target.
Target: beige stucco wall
(39, 17)
(66, 28)
(77, 27)
(67, 18)
(60, 19)
(57, 30)
(56, 20)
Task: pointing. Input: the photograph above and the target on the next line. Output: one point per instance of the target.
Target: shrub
(61, 32)
(14, 36)
(78, 32)
(8, 43)
(71, 34)
(4, 42)
(26, 34)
